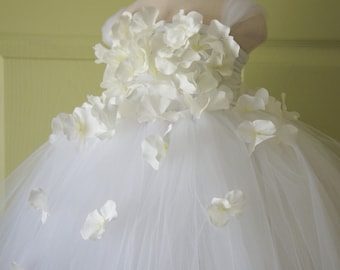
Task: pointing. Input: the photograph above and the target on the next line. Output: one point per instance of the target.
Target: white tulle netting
(174, 168)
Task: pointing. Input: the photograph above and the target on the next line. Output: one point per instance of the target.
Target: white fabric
(236, 11)
(98, 204)
(233, 11)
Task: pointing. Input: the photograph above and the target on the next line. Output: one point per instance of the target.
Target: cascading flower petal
(96, 221)
(155, 148)
(222, 209)
(39, 200)
(256, 132)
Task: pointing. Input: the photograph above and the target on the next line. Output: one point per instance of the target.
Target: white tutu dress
(175, 166)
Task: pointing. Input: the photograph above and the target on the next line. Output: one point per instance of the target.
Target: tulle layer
(291, 217)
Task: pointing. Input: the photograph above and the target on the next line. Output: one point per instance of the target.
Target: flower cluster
(222, 209)
(155, 70)
(264, 127)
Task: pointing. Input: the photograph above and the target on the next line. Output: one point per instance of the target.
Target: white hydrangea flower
(39, 200)
(155, 148)
(222, 209)
(249, 103)
(145, 21)
(224, 48)
(196, 105)
(155, 70)
(121, 30)
(220, 100)
(256, 132)
(182, 28)
(106, 114)
(96, 221)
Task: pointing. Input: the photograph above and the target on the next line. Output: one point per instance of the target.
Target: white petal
(219, 101)
(152, 107)
(255, 132)
(96, 221)
(38, 200)
(150, 152)
(218, 217)
(220, 202)
(109, 210)
(144, 19)
(196, 106)
(94, 226)
(247, 103)
(155, 147)
(187, 82)
(222, 209)
(263, 94)
(165, 66)
(237, 202)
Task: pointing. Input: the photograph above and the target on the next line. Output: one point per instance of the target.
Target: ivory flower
(38, 200)
(249, 103)
(222, 209)
(155, 148)
(96, 221)
(255, 132)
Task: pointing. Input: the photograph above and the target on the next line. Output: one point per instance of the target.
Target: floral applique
(155, 148)
(155, 70)
(255, 132)
(158, 70)
(221, 210)
(39, 200)
(96, 221)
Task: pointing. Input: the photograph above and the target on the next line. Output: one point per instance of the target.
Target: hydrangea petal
(155, 148)
(222, 209)
(255, 132)
(39, 200)
(96, 221)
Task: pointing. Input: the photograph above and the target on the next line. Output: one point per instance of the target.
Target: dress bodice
(233, 11)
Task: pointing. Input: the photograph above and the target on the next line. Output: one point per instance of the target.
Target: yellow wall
(302, 59)
(48, 64)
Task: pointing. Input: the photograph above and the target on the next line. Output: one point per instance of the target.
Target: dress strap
(235, 11)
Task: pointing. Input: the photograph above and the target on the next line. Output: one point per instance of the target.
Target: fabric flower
(222, 209)
(15, 266)
(96, 221)
(155, 148)
(38, 200)
(145, 20)
(249, 103)
(182, 28)
(255, 132)
(106, 114)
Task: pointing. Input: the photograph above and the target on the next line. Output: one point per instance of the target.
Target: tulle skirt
(290, 219)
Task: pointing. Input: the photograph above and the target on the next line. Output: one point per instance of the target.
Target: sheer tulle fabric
(290, 221)
(236, 11)
(291, 217)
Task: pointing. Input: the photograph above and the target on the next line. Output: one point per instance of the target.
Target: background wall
(47, 64)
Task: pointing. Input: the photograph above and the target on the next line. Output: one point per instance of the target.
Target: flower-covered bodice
(158, 70)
